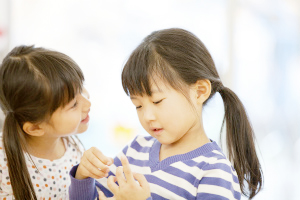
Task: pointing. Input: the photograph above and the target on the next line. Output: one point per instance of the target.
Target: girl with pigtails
(45, 105)
(169, 77)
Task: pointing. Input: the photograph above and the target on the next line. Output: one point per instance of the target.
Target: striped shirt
(204, 173)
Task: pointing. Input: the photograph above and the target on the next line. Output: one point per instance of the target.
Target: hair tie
(221, 87)
(10, 111)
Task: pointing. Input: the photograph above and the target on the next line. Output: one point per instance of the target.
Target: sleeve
(81, 189)
(219, 182)
(87, 188)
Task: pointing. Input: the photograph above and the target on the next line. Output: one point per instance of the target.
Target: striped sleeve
(219, 182)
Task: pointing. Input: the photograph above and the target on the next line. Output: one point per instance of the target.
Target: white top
(51, 180)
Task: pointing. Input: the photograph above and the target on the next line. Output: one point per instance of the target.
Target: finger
(90, 168)
(90, 157)
(97, 159)
(106, 160)
(101, 195)
(126, 169)
(84, 173)
(120, 176)
(90, 165)
(141, 179)
(114, 188)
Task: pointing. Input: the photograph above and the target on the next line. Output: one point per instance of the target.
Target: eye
(137, 107)
(75, 104)
(157, 102)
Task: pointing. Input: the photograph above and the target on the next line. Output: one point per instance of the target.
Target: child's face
(167, 115)
(71, 119)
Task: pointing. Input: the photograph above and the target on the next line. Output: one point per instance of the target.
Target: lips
(86, 120)
(157, 131)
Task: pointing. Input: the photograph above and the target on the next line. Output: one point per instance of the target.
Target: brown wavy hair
(34, 82)
(181, 59)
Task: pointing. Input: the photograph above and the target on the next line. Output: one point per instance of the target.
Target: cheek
(73, 121)
(140, 116)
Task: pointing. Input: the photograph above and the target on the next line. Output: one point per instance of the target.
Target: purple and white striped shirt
(204, 173)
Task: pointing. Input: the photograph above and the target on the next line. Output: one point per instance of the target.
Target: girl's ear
(33, 129)
(202, 90)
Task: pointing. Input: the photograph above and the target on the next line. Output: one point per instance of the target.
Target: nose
(86, 100)
(85, 93)
(149, 114)
(86, 104)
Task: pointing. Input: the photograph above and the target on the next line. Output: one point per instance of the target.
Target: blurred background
(255, 45)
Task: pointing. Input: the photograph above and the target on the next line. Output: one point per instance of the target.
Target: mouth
(157, 131)
(86, 119)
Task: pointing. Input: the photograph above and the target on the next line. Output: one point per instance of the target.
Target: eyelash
(75, 104)
(156, 102)
(138, 107)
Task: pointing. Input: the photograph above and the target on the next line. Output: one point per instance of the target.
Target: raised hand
(93, 164)
(131, 185)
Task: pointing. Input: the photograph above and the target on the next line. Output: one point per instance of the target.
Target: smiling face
(70, 119)
(167, 114)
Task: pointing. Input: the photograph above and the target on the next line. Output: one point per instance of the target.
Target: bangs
(63, 75)
(143, 67)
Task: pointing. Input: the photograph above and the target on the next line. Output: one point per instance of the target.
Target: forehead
(157, 86)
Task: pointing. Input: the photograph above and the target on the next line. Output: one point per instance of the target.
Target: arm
(219, 182)
(81, 189)
(82, 175)
(93, 165)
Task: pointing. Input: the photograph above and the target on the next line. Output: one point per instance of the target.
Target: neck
(46, 148)
(192, 140)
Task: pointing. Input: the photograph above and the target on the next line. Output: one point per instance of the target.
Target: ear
(33, 129)
(202, 90)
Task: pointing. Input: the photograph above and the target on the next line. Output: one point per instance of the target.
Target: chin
(82, 130)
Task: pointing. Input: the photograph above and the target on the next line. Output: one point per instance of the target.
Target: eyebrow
(152, 92)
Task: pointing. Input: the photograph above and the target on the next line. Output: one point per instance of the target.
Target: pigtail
(240, 143)
(18, 172)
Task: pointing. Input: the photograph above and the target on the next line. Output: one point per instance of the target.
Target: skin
(166, 115)
(45, 139)
(128, 188)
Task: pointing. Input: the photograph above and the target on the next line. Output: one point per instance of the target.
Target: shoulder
(214, 159)
(218, 175)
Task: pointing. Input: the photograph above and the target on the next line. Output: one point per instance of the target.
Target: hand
(128, 188)
(93, 164)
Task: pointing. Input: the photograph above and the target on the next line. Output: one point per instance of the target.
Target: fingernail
(110, 161)
(123, 157)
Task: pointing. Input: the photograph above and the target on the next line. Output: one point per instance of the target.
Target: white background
(255, 45)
